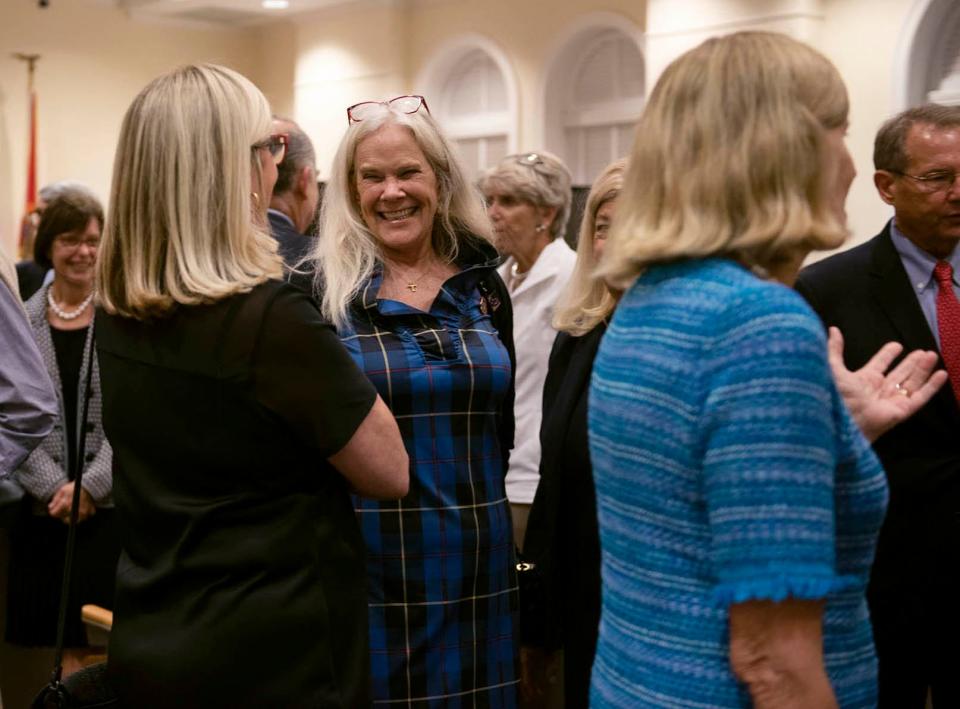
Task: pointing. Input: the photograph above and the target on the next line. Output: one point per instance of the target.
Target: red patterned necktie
(948, 323)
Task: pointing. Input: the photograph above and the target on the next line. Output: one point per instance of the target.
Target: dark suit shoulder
(840, 282)
(294, 247)
(843, 264)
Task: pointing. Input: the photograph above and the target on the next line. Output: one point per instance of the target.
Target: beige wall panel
(95, 60)
(674, 27)
(276, 65)
(341, 59)
(528, 32)
(861, 37)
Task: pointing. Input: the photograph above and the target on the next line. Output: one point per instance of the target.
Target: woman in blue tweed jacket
(738, 501)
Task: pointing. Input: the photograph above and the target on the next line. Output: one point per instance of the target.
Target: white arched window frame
(594, 94)
(472, 93)
(928, 55)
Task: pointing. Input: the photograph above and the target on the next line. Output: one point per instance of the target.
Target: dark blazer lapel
(894, 293)
(576, 365)
(579, 367)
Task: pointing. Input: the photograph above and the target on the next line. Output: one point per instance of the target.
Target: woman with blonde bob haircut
(753, 187)
(266, 424)
(408, 275)
(171, 240)
(738, 501)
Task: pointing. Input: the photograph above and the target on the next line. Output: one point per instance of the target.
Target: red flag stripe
(32, 159)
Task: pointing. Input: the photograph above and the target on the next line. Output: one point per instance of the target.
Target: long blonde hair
(347, 252)
(729, 158)
(587, 300)
(179, 228)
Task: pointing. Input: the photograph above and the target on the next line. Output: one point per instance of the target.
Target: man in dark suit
(901, 286)
(296, 195)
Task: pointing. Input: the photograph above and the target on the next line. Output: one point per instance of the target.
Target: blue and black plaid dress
(442, 589)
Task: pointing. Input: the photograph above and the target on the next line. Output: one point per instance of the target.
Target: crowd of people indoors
(417, 450)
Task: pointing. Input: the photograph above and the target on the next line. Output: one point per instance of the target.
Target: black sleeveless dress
(241, 578)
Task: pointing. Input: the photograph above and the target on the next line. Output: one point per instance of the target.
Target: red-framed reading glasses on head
(404, 104)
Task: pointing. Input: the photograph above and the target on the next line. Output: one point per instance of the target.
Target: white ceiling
(223, 12)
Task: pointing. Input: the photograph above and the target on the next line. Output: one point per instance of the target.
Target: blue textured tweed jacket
(727, 469)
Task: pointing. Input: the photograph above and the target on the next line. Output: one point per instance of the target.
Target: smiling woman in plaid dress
(407, 273)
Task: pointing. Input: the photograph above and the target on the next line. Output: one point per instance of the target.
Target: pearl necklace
(68, 314)
(516, 276)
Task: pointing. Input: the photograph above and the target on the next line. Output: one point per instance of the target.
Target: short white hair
(538, 178)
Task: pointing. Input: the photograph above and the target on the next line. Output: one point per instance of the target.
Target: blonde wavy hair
(729, 159)
(587, 301)
(180, 228)
(347, 253)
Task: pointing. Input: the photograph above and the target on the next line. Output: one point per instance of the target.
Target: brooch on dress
(489, 300)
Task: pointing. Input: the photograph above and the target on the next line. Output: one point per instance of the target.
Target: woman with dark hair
(61, 314)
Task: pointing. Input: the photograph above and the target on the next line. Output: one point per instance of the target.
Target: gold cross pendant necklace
(413, 283)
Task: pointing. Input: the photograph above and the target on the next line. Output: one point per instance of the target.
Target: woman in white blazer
(528, 200)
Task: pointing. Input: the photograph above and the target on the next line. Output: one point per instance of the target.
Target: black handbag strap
(55, 684)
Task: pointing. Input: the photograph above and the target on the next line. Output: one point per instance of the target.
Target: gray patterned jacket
(43, 472)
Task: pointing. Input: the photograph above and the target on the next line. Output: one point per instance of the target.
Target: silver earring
(541, 228)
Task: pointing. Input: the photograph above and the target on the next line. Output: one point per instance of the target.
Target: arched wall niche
(593, 93)
(927, 60)
(472, 91)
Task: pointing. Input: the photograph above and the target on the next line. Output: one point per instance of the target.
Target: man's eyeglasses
(936, 181)
(276, 144)
(404, 104)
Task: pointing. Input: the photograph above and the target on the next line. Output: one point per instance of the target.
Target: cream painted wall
(355, 56)
(842, 29)
(674, 27)
(314, 66)
(861, 37)
(530, 33)
(275, 73)
(343, 57)
(94, 61)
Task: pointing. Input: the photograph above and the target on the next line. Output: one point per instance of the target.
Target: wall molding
(741, 23)
(436, 70)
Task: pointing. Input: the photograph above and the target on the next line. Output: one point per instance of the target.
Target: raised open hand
(878, 399)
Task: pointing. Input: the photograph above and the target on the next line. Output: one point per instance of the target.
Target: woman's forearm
(776, 650)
